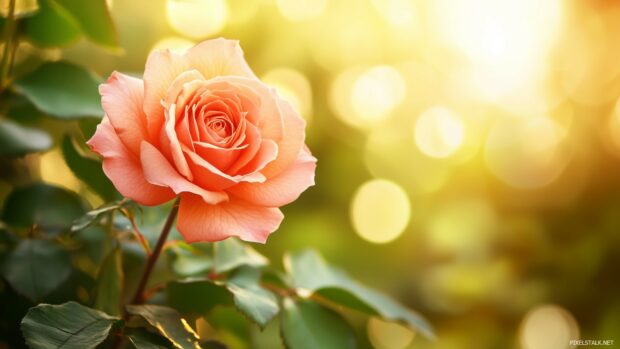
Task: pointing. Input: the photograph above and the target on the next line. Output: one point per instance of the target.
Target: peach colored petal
(199, 221)
(174, 145)
(218, 156)
(159, 171)
(123, 168)
(121, 98)
(211, 58)
(267, 153)
(292, 142)
(283, 188)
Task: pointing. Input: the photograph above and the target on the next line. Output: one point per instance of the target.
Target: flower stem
(9, 44)
(138, 297)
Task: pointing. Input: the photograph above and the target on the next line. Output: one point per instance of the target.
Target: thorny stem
(138, 297)
(9, 45)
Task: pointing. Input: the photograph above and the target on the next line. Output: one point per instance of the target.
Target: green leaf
(93, 18)
(110, 283)
(232, 253)
(143, 339)
(51, 208)
(190, 260)
(308, 325)
(169, 324)
(311, 274)
(62, 89)
(68, 326)
(51, 26)
(257, 303)
(94, 215)
(196, 297)
(88, 170)
(17, 140)
(36, 267)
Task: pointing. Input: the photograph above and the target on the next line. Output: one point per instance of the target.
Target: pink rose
(202, 126)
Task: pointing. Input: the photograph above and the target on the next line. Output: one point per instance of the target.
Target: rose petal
(291, 143)
(123, 168)
(121, 98)
(199, 221)
(283, 188)
(211, 58)
(158, 170)
(174, 146)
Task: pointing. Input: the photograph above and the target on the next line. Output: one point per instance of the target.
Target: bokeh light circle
(527, 153)
(548, 327)
(301, 10)
(380, 211)
(197, 18)
(388, 335)
(293, 86)
(439, 132)
(174, 44)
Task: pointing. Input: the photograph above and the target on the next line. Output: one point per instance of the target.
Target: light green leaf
(143, 339)
(51, 208)
(29, 266)
(17, 140)
(311, 274)
(308, 325)
(257, 303)
(110, 283)
(94, 215)
(62, 89)
(232, 253)
(191, 260)
(68, 326)
(169, 324)
(89, 170)
(51, 26)
(93, 18)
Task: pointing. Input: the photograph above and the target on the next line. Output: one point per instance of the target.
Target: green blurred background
(468, 150)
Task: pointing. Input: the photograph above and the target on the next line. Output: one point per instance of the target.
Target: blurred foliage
(480, 140)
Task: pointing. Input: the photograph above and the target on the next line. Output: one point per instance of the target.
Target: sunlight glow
(174, 44)
(388, 335)
(301, 10)
(548, 327)
(439, 132)
(197, 18)
(293, 86)
(380, 211)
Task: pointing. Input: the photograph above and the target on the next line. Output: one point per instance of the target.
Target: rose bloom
(201, 125)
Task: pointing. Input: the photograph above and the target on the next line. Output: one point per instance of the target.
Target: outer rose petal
(211, 58)
(199, 221)
(158, 170)
(282, 189)
(121, 98)
(123, 168)
(291, 143)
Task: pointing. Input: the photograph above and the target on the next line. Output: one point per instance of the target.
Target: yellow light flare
(301, 10)
(388, 335)
(613, 128)
(548, 327)
(243, 10)
(197, 19)
(506, 41)
(380, 211)
(55, 171)
(439, 132)
(527, 153)
(174, 44)
(293, 86)
(22, 7)
(399, 13)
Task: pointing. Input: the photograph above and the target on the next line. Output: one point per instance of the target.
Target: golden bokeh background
(469, 151)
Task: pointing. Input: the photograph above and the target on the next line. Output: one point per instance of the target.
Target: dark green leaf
(29, 268)
(62, 89)
(51, 26)
(310, 273)
(93, 19)
(169, 324)
(143, 339)
(110, 284)
(307, 325)
(68, 326)
(89, 170)
(50, 208)
(232, 253)
(257, 303)
(196, 297)
(17, 140)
